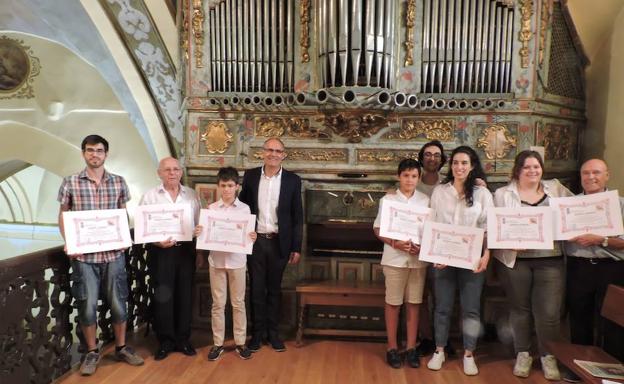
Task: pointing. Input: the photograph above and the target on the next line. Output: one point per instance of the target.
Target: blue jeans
(470, 285)
(87, 278)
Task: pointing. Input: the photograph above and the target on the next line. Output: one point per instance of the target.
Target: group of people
(270, 192)
(534, 284)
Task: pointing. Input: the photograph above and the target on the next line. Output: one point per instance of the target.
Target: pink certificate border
(391, 220)
(213, 219)
(466, 259)
(539, 217)
(146, 233)
(565, 228)
(77, 222)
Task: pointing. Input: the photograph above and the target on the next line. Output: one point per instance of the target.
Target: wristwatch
(605, 242)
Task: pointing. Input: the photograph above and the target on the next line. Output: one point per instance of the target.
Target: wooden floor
(318, 361)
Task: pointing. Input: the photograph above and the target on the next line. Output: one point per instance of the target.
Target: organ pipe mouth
(476, 104)
(399, 99)
(488, 103)
(452, 104)
(440, 104)
(462, 104)
(412, 101)
(278, 100)
(349, 96)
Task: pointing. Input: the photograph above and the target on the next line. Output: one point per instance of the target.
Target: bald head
(594, 176)
(170, 172)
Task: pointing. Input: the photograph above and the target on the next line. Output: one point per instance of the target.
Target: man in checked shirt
(91, 189)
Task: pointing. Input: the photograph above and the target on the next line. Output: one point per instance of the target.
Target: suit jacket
(289, 207)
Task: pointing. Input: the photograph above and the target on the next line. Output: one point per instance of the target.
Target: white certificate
(598, 213)
(159, 222)
(453, 245)
(401, 221)
(96, 231)
(520, 228)
(226, 231)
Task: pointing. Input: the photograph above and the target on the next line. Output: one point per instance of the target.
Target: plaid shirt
(82, 194)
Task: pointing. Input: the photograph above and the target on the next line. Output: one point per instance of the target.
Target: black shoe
(243, 352)
(187, 349)
(255, 344)
(215, 353)
(393, 358)
(412, 358)
(450, 350)
(277, 345)
(163, 351)
(426, 347)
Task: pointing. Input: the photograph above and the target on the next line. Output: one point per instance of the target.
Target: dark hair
(408, 163)
(227, 174)
(521, 158)
(93, 140)
(476, 173)
(433, 143)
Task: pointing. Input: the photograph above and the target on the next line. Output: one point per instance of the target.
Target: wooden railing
(37, 313)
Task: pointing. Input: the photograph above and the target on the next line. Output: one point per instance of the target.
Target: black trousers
(266, 269)
(587, 283)
(172, 270)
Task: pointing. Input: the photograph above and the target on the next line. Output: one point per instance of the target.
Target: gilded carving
(198, 32)
(216, 137)
(525, 34)
(559, 142)
(304, 39)
(355, 127)
(432, 129)
(384, 156)
(496, 141)
(410, 22)
(18, 68)
(279, 126)
(185, 31)
(545, 19)
(305, 154)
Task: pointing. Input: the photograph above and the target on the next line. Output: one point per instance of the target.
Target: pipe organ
(354, 86)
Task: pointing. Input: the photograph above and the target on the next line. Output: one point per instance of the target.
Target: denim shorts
(88, 278)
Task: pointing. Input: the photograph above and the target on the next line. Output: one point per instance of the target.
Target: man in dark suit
(274, 196)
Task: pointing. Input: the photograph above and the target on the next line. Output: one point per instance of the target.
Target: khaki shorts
(404, 284)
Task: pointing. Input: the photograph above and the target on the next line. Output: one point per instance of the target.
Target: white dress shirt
(186, 195)
(395, 257)
(268, 198)
(449, 208)
(228, 260)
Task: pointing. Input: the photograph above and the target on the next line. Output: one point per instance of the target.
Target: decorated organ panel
(353, 86)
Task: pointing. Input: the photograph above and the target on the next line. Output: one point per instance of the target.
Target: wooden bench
(338, 293)
(566, 353)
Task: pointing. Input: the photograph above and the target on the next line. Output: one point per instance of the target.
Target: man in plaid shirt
(94, 188)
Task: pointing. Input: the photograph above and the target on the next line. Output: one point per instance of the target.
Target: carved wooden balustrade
(37, 313)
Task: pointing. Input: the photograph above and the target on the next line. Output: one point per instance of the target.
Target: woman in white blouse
(460, 201)
(533, 279)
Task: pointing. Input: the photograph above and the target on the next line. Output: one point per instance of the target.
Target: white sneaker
(524, 361)
(436, 361)
(549, 366)
(470, 367)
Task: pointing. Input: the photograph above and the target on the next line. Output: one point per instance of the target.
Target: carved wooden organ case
(354, 86)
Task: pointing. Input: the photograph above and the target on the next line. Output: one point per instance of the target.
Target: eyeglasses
(99, 151)
(271, 150)
(429, 155)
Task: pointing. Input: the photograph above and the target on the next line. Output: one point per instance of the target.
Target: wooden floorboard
(318, 361)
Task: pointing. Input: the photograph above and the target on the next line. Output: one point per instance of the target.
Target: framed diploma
(453, 245)
(226, 231)
(598, 213)
(520, 228)
(401, 221)
(159, 222)
(96, 231)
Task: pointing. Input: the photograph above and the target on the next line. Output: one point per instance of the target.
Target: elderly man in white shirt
(172, 266)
